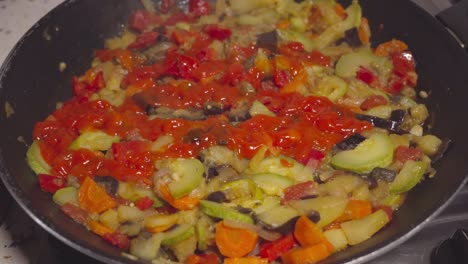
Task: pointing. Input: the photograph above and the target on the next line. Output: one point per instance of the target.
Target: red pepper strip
(217, 32)
(76, 213)
(273, 250)
(139, 21)
(298, 191)
(84, 89)
(50, 183)
(404, 154)
(366, 75)
(144, 203)
(166, 5)
(144, 40)
(116, 239)
(199, 7)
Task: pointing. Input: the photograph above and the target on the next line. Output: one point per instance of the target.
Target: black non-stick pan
(32, 84)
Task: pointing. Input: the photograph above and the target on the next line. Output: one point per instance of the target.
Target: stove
(23, 241)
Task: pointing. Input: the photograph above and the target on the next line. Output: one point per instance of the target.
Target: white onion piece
(265, 234)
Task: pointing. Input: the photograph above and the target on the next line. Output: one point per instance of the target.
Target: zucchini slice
(94, 140)
(187, 174)
(329, 207)
(272, 184)
(66, 195)
(281, 218)
(35, 160)
(178, 234)
(376, 151)
(220, 211)
(360, 230)
(410, 175)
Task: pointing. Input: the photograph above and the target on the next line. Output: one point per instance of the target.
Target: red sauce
(302, 126)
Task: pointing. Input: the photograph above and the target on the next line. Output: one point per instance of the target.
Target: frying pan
(32, 84)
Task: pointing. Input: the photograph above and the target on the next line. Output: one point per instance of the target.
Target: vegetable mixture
(238, 132)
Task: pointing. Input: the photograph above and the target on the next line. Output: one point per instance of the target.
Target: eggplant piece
(390, 125)
(281, 218)
(194, 136)
(398, 115)
(268, 40)
(240, 112)
(383, 174)
(218, 197)
(350, 143)
(109, 183)
(446, 143)
(352, 37)
(213, 108)
(314, 216)
(168, 113)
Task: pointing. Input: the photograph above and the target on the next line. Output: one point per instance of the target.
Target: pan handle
(455, 18)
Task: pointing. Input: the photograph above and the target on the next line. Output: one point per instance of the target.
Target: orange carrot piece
(306, 255)
(211, 258)
(355, 209)
(339, 9)
(99, 228)
(295, 84)
(390, 47)
(234, 242)
(307, 233)
(283, 24)
(364, 31)
(184, 203)
(247, 260)
(93, 198)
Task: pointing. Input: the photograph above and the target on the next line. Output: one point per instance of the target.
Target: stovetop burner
(23, 241)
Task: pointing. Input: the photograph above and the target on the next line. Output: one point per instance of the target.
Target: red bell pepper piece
(199, 7)
(298, 191)
(50, 183)
(84, 88)
(144, 203)
(166, 5)
(116, 239)
(139, 21)
(404, 154)
(144, 40)
(211, 258)
(216, 32)
(181, 66)
(373, 101)
(273, 250)
(281, 78)
(366, 75)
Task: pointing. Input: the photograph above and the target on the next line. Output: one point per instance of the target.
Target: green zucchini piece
(258, 108)
(376, 151)
(348, 65)
(239, 189)
(187, 174)
(220, 211)
(275, 165)
(132, 192)
(146, 249)
(272, 184)
(331, 34)
(331, 87)
(94, 140)
(129, 214)
(281, 218)
(360, 230)
(66, 195)
(178, 234)
(329, 207)
(337, 238)
(410, 175)
(268, 203)
(35, 160)
(110, 218)
(184, 248)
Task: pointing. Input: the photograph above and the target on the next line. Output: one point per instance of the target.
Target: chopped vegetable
(94, 198)
(305, 255)
(228, 241)
(274, 249)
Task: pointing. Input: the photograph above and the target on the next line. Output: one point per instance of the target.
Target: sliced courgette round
(376, 151)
